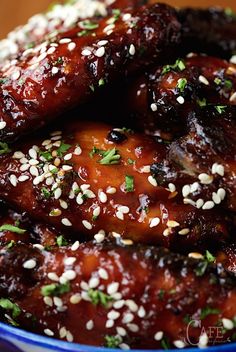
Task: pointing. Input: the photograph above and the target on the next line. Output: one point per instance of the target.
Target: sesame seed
(128, 317)
(75, 299)
(99, 237)
(66, 222)
(194, 187)
(63, 204)
(46, 142)
(120, 215)
(69, 336)
(77, 151)
(29, 264)
(102, 42)
(121, 331)
(152, 181)
(103, 274)
(126, 242)
(145, 169)
(189, 201)
(124, 346)
(233, 98)
(233, 59)
(221, 193)
(158, 336)
(64, 41)
(113, 315)
(203, 340)
(100, 51)
(53, 276)
(131, 305)
(111, 190)
(94, 282)
(51, 50)
(15, 75)
(186, 190)
(57, 301)
(48, 301)
(23, 160)
(55, 70)
(184, 231)
(38, 246)
(68, 156)
(179, 344)
(67, 167)
(167, 232)
(84, 187)
(112, 288)
(2, 125)
(141, 312)
(227, 324)
(79, 199)
(87, 225)
(180, 100)
(34, 171)
(216, 198)
(205, 178)
(38, 180)
(18, 155)
(97, 211)
(69, 275)
(57, 193)
(153, 107)
(89, 325)
(86, 52)
(171, 187)
(75, 246)
(70, 261)
(132, 49)
(109, 323)
(23, 178)
(119, 304)
(71, 46)
(154, 222)
(126, 16)
(33, 162)
(133, 327)
(203, 80)
(172, 223)
(123, 209)
(220, 170)
(199, 203)
(62, 332)
(49, 332)
(195, 255)
(208, 205)
(89, 194)
(13, 180)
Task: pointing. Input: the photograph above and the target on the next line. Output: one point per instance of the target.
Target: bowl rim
(8, 333)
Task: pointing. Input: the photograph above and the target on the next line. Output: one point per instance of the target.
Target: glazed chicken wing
(93, 179)
(57, 76)
(115, 296)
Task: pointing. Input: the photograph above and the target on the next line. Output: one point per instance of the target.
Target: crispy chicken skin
(103, 291)
(211, 31)
(161, 99)
(93, 178)
(60, 75)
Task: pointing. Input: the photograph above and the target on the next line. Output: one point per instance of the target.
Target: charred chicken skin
(57, 76)
(111, 295)
(93, 180)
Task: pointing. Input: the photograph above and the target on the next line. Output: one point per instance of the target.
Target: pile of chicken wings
(118, 175)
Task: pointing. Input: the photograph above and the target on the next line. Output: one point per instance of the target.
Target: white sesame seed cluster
(60, 17)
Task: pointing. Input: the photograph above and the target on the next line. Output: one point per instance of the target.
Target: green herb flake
(9, 305)
(129, 183)
(220, 108)
(130, 161)
(4, 148)
(112, 341)
(12, 228)
(46, 155)
(201, 268)
(165, 343)
(55, 289)
(210, 257)
(11, 244)
(99, 297)
(94, 151)
(179, 65)
(208, 311)
(217, 81)
(116, 14)
(61, 241)
(182, 82)
(63, 149)
(101, 82)
(110, 157)
(45, 192)
(89, 25)
(92, 88)
(202, 102)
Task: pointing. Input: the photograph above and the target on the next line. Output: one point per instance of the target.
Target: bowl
(16, 340)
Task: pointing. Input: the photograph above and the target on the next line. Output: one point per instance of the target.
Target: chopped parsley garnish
(208, 311)
(92, 88)
(202, 265)
(217, 81)
(220, 108)
(10, 244)
(179, 65)
(210, 257)
(12, 228)
(182, 82)
(61, 241)
(63, 149)
(89, 25)
(54, 171)
(228, 84)
(116, 14)
(129, 183)
(55, 289)
(130, 161)
(110, 157)
(9, 305)
(4, 149)
(165, 343)
(161, 294)
(94, 217)
(99, 297)
(229, 12)
(3, 80)
(101, 82)
(94, 151)
(112, 341)
(59, 61)
(202, 102)
(46, 193)
(82, 33)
